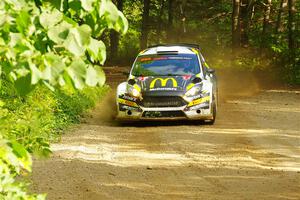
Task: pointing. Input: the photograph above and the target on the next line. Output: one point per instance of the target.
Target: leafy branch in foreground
(55, 44)
(51, 43)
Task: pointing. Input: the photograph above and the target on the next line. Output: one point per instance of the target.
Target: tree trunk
(182, 20)
(246, 16)
(170, 20)
(159, 21)
(291, 33)
(266, 24)
(145, 23)
(115, 38)
(278, 22)
(236, 34)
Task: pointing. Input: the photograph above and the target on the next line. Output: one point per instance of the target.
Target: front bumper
(131, 111)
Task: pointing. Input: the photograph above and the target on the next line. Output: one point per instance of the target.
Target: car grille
(162, 101)
(162, 114)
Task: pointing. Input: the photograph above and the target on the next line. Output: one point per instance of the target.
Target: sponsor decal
(125, 108)
(164, 89)
(186, 77)
(126, 102)
(163, 82)
(130, 98)
(199, 101)
(142, 78)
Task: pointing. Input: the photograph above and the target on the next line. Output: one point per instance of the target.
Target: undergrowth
(41, 117)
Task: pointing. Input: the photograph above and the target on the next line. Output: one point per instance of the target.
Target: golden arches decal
(164, 82)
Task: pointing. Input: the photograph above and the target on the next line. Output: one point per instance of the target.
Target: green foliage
(44, 45)
(13, 159)
(36, 120)
(55, 44)
(209, 24)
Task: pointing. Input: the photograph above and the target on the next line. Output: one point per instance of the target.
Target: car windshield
(166, 65)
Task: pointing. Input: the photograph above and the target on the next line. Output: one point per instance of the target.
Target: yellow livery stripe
(137, 87)
(195, 51)
(190, 86)
(126, 102)
(199, 101)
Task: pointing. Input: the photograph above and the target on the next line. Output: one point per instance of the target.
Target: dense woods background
(247, 34)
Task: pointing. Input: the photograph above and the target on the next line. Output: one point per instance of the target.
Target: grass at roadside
(41, 117)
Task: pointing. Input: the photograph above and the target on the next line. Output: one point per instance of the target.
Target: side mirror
(196, 80)
(211, 71)
(131, 82)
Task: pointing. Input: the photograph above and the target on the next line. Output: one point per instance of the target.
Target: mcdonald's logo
(163, 82)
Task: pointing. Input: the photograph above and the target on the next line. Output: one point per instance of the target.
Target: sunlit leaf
(87, 4)
(101, 75)
(23, 21)
(49, 18)
(60, 32)
(77, 39)
(77, 72)
(22, 155)
(114, 18)
(91, 77)
(97, 51)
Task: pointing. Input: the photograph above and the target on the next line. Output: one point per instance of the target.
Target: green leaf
(23, 21)
(60, 32)
(50, 18)
(113, 17)
(77, 39)
(122, 23)
(56, 66)
(87, 4)
(101, 75)
(91, 77)
(109, 9)
(23, 85)
(22, 155)
(97, 51)
(75, 5)
(77, 72)
(36, 74)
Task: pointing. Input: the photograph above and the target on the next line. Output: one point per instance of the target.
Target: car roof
(169, 49)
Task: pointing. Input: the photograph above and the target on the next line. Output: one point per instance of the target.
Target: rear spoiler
(167, 53)
(196, 46)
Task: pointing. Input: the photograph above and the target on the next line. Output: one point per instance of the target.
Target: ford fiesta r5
(168, 82)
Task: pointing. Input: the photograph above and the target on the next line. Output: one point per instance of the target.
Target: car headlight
(133, 91)
(193, 91)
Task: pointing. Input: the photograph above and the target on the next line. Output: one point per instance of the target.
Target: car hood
(164, 85)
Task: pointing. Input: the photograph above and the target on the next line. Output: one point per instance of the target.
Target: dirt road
(252, 152)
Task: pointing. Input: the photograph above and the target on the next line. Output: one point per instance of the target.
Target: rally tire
(214, 112)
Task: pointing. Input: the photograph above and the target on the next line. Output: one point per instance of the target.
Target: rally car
(169, 82)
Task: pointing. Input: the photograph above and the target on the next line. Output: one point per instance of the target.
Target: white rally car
(169, 82)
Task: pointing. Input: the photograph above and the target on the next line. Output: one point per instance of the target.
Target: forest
(247, 34)
(52, 54)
